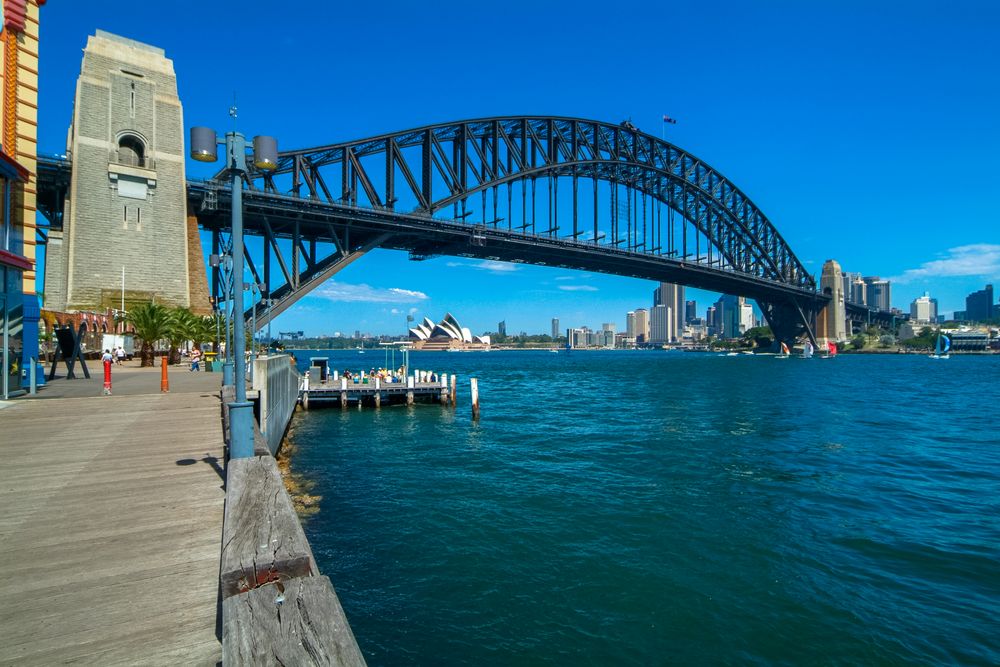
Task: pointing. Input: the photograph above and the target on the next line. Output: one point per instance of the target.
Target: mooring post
(378, 392)
(474, 387)
(454, 391)
(305, 382)
(444, 389)
(409, 389)
(305, 401)
(164, 381)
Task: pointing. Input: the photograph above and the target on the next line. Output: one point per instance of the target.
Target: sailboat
(361, 350)
(807, 350)
(785, 352)
(831, 351)
(941, 347)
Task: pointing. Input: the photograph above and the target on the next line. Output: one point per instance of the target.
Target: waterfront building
(630, 324)
(641, 326)
(555, 328)
(690, 311)
(923, 309)
(447, 334)
(958, 316)
(127, 198)
(661, 324)
(878, 293)
(854, 288)
(969, 340)
(734, 316)
(671, 296)
(979, 305)
(831, 322)
(711, 324)
(19, 307)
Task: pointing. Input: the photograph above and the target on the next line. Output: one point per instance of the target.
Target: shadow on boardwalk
(112, 520)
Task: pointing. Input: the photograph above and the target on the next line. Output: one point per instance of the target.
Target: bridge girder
(428, 169)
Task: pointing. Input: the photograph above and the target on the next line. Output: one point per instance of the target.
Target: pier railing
(277, 381)
(277, 609)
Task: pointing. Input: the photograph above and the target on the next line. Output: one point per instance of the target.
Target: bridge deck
(112, 522)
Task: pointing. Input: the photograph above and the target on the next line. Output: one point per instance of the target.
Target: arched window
(131, 151)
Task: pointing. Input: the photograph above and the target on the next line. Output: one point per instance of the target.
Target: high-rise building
(630, 324)
(555, 327)
(831, 322)
(854, 288)
(878, 293)
(733, 315)
(641, 325)
(923, 309)
(671, 296)
(661, 323)
(711, 323)
(979, 305)
(502, 327)
(690, 311)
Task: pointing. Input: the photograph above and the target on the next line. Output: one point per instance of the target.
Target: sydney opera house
(447, 334)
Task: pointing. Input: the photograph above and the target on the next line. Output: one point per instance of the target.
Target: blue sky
(866, 131)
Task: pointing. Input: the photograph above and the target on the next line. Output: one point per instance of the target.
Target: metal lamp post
(203, 148)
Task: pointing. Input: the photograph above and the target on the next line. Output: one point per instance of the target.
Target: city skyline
(773, 151)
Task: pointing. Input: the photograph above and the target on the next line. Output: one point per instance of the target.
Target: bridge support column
(789, 320)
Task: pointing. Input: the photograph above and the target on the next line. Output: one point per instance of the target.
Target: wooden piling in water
(474, 386)
(454, 390)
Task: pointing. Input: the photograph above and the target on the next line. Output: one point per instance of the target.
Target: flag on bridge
(668, 119)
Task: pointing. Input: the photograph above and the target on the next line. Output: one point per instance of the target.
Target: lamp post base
(240, 430)
(227, 374)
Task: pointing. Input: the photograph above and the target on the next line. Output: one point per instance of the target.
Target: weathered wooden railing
(277, 381)
(276, 607)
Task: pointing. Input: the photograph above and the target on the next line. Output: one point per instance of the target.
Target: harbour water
(647, 508)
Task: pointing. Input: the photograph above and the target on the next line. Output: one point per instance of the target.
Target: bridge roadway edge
(112, 534)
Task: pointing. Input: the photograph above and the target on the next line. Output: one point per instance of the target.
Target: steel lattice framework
(455, 162)
(552, 191)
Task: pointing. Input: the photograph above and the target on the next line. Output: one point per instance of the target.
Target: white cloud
(413, 311)
(578, 288)
(490, 265)
(395, 311)
(334, 291)
(978, 259)
(564, 277)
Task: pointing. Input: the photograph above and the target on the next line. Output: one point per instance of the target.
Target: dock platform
(376, 392)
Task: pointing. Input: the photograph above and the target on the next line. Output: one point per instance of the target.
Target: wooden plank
(263, 540)
(299, 622)
(110, 539)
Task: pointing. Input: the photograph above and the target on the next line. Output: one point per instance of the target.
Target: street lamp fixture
(265, 157)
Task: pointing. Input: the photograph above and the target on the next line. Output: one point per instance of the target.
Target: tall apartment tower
(127, 209)
(555, 328)
(878, 293)
(672, 296)
(831, 323)
(641, 325)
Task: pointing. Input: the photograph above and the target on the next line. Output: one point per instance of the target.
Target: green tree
(859, 342)
(758, 337)
(151, 323)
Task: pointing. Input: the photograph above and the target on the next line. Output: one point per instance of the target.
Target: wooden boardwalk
(111, 521)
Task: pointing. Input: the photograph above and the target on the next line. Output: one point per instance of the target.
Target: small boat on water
(807, 350)
(785, 352)
(831, 351)
(941, 347)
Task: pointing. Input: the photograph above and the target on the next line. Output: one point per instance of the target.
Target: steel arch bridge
(553, 191)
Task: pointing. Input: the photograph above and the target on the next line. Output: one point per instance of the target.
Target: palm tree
(151, 322)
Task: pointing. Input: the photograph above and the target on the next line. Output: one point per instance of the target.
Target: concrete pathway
(111, 521)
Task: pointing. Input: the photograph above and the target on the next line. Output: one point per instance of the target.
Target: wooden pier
(336, 390)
